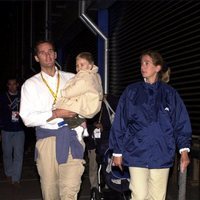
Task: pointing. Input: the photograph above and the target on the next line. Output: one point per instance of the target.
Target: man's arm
(61, 113)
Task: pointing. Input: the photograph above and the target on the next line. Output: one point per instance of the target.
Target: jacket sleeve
(1, 112)
(182, 125)
(118, 128)
(75, 88)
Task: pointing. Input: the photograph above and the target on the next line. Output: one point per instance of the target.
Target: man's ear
(55, 55)
(36, 58)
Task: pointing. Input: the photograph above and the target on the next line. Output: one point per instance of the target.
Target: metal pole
(95, 29)
(22, 43)
(31, 36)
(46, 20)
(182, 184)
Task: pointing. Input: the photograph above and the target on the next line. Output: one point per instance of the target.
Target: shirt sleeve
(184, 149)
(28, 112)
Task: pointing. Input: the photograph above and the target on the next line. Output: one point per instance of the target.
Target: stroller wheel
(95, 194)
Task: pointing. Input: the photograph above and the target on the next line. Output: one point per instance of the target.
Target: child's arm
(78, 86)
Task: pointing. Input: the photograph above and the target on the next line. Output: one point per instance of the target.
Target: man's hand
(99, 125)
(61, 113)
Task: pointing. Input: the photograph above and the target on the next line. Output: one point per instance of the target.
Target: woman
(150, 120)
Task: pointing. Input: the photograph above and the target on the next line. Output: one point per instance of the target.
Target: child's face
(82, 64)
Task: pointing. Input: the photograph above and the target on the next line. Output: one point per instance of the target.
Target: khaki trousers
(58, 182)
(93, 168)
(148, 184)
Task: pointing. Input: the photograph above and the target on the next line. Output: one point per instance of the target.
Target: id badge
(97, 133)
(15, 116)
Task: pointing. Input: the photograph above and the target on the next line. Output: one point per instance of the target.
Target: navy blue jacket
(150, 121)
(6, 109)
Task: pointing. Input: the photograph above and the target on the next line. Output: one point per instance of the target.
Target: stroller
(115, 180)
(110, 178)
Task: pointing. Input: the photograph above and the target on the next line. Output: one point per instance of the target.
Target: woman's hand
(184, 160)
(117, 161)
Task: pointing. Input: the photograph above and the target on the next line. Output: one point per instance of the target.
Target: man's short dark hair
(42, 42)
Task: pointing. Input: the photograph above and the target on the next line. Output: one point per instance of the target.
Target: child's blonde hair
(87, 56)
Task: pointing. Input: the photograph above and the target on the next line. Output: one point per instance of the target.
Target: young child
(83, 94)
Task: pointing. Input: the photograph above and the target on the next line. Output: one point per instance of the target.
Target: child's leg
(84, 125)
(79, 132)
(78, 124)
(85, 132)
(81, 127)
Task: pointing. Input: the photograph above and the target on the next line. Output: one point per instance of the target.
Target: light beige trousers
(148, 184)
(58, 182)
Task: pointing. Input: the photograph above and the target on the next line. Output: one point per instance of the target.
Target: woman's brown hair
(164, 73)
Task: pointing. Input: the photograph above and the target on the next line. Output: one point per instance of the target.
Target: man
(59, 154)
(12, 132)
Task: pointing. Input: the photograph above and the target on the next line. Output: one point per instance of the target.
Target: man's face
(12, 85)
(46, 55)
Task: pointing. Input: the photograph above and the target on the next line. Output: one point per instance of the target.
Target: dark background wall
(172, 28)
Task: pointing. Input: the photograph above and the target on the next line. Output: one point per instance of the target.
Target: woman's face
(149, 71)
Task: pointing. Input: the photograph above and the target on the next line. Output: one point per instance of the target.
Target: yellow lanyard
(54, 94)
